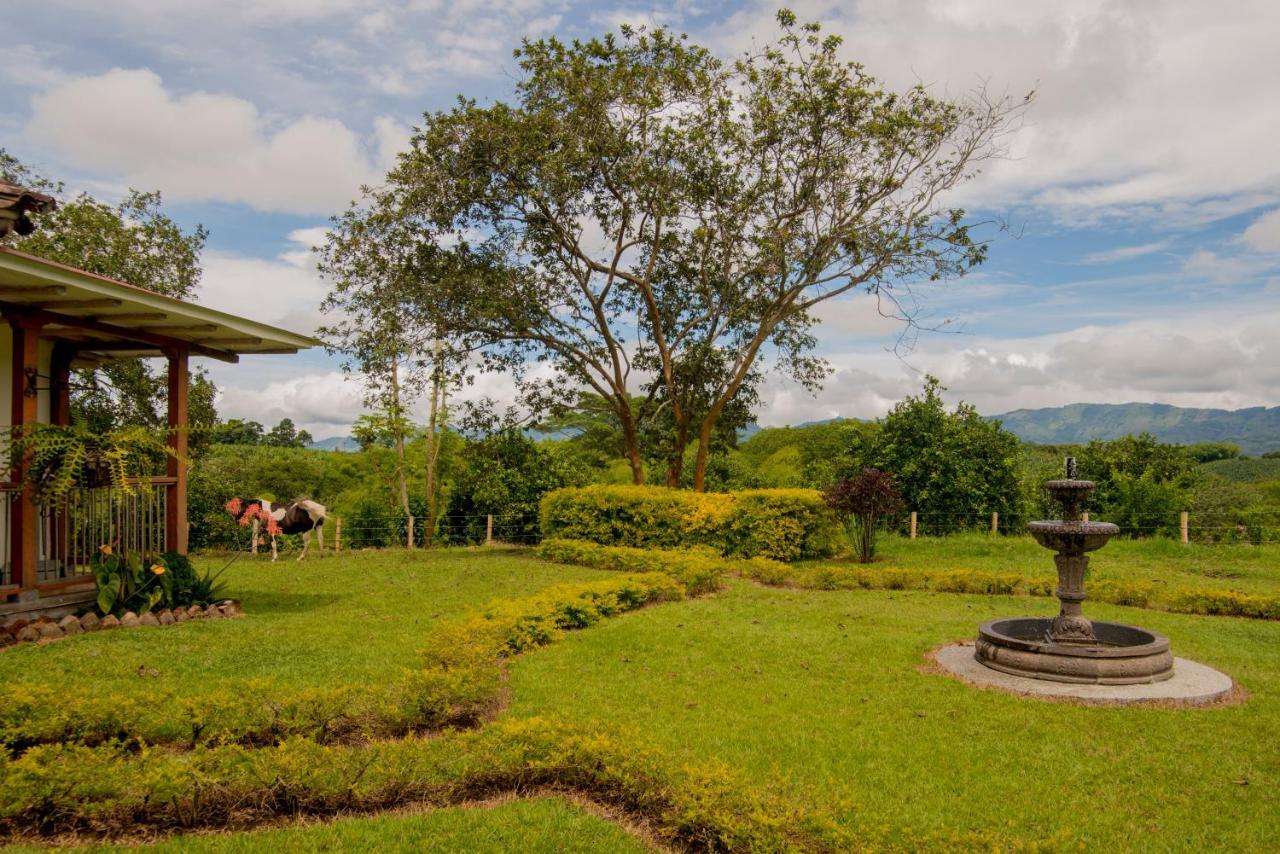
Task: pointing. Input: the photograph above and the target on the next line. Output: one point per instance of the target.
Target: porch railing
(70, 532)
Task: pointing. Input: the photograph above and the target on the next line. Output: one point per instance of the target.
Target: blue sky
(1143, 188)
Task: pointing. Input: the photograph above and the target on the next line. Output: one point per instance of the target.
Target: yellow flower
(105, 548)
(157, 568)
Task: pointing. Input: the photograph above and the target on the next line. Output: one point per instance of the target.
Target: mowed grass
(355, 619)
(535, 825)
(1244, 568)
(823, 695)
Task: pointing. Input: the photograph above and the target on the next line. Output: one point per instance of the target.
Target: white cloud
(203, 146)
(1264, 234)
(283, 291)
(1163, 111)
(1126, 253)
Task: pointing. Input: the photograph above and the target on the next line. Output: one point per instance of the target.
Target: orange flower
(157, 569)
(105, 548)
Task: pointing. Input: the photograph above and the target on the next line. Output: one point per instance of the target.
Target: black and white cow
(296, 517)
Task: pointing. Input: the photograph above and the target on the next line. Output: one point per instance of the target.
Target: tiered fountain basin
(1121, 655)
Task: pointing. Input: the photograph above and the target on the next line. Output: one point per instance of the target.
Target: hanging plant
(60, 458)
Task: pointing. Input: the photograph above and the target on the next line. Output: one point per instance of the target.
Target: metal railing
(70, 533)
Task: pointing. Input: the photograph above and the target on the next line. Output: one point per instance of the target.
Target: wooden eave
(101, 318)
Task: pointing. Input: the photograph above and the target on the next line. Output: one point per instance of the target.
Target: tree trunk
(397, 432)
(704, 452)
(675, 468)
(433, 443)
(632, 439)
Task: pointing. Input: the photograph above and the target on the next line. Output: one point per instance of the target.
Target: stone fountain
(1070, 647)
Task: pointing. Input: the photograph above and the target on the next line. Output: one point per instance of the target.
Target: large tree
(646, 215)
(135, 242)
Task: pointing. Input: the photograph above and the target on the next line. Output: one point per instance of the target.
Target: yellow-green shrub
(784, 524)
(107, 790)
(699, 569)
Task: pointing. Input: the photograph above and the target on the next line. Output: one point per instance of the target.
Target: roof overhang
(103, 319)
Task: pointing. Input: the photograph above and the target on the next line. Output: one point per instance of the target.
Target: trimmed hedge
(699, 568)
(458, 685)
(1131, 593)
(701, 806)
(783, 524)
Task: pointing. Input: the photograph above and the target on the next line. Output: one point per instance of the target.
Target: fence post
(1085, 515)
(410, 538)
(488, 529)
(913, 524)
(337, 534)
(1183, 520)
(995, 523)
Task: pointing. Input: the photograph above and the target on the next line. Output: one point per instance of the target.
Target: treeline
(950, 465)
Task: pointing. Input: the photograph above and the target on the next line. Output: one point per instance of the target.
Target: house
(56, 318)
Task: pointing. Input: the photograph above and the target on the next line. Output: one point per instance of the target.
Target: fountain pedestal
(1070, 647)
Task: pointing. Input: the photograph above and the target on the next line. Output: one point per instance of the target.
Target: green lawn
(1244, 568)
(354, 619)
(819, 694)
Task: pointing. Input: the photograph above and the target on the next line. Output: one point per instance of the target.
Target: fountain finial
(1071, 468)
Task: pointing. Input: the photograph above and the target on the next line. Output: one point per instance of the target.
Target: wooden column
(176, 506)
(23, 514)
(60, 415)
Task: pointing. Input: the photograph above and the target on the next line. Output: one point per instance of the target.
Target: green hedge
(783, 524)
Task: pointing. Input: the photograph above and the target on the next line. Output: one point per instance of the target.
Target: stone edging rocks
(47, 629)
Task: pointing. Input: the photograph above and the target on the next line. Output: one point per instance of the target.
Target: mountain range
(1255, 430)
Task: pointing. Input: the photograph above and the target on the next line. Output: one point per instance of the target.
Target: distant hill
(1255, 430)
(335, 443)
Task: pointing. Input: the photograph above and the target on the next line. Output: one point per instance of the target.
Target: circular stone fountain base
(1189, 683)
(1122, 655)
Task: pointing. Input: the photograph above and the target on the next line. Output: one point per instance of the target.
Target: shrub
(785, 524)
(859, 503)
(699, 569)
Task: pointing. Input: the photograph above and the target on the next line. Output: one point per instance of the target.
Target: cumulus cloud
(1132, 99)
(203, 146)
(283, 291)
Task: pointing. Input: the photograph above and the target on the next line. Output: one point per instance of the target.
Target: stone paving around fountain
(1192, 684)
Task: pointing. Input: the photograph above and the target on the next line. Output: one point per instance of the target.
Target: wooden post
(409, 544)
(995, 523)
(176, 507)
(1183, 520)
(488, 529)
(337, 534)
(1085, 515)
(913, 524)
(23, 514)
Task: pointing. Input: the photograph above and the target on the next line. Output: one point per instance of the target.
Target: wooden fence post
(913, 524)
(488, 529)
(1085, 515)
(995, 523)
(410, 537)
(1183, 520)
(337, 534)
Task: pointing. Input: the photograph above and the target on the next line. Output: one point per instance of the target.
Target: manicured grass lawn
(821, 693)
(355, 619)
(1244, 568)
(541, 824)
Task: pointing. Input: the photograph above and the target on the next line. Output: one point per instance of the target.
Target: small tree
(859, 503)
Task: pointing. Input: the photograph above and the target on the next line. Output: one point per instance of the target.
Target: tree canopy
(657, 226)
